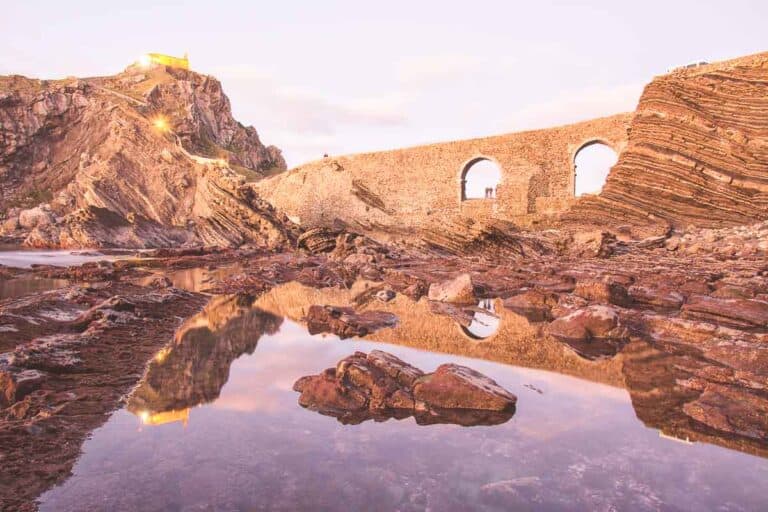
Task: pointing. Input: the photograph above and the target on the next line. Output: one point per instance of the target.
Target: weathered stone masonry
(408, 187)
(694, 152)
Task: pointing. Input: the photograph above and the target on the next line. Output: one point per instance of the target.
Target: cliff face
(697, 151)
(145, 158)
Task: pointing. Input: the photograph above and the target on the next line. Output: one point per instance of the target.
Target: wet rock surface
(65, 365)
(380, 386)
(687, 336)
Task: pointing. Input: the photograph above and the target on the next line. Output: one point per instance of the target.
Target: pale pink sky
(350, 76)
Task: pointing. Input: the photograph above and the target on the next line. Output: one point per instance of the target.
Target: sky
(350, 76)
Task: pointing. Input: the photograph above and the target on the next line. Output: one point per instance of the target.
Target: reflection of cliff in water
(194, 368)
(690, 398)
(682, 392)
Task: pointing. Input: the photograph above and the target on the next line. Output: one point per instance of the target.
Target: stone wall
(407, 188)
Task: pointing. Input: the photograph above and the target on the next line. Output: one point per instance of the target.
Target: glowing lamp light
(144, 416)
(145, 61)
(161, 123)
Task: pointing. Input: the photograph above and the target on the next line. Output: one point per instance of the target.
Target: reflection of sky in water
(27, 258)
(483, 324)
(576, 446)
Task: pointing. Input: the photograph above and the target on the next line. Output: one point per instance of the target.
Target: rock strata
(140, 159)
(697, 152)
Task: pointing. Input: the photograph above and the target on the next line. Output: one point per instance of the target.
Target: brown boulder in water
(457, 387)
(380, 386)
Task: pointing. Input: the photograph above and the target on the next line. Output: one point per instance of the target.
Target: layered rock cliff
(697, 151)
(146, 158)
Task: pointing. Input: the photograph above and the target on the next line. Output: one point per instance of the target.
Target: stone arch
(467, 170)
(596, 176)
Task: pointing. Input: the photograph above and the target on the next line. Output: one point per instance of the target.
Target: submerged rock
(380, 386)
(345, 322)
(535, 305)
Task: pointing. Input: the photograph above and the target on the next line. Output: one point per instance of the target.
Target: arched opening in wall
(480, 179)
(485, 321)
(592, 163)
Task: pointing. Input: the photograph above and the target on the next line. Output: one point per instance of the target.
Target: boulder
(593, 322)
(740, 313)
(603, 292)
(663, 297)
(321, 392)
(405, 374)
(458, 387)
(458, 291)
(10, 225)
(15, 385)
(381, 386)
(593, 244)
(37, 217)
(317, 240)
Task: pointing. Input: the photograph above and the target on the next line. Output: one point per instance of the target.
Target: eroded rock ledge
(380, 386)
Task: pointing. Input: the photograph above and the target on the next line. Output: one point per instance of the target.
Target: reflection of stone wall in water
(677, 393)
(516, 341)
(195, 367)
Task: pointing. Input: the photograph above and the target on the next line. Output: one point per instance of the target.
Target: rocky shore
(694, 328)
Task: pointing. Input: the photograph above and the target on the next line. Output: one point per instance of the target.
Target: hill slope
(145, 158)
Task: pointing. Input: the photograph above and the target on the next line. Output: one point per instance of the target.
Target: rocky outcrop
(697, 152)
(145, 158)
(208, 128)
(380, 386)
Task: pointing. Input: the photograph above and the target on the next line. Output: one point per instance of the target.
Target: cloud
(309, 111)
(577, 105)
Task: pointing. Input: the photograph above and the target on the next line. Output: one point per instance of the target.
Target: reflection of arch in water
(480, 178)
(592, 162)
(483, 325)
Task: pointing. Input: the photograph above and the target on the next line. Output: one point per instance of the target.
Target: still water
(13, 256)
(11, 288)
(215, 425)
